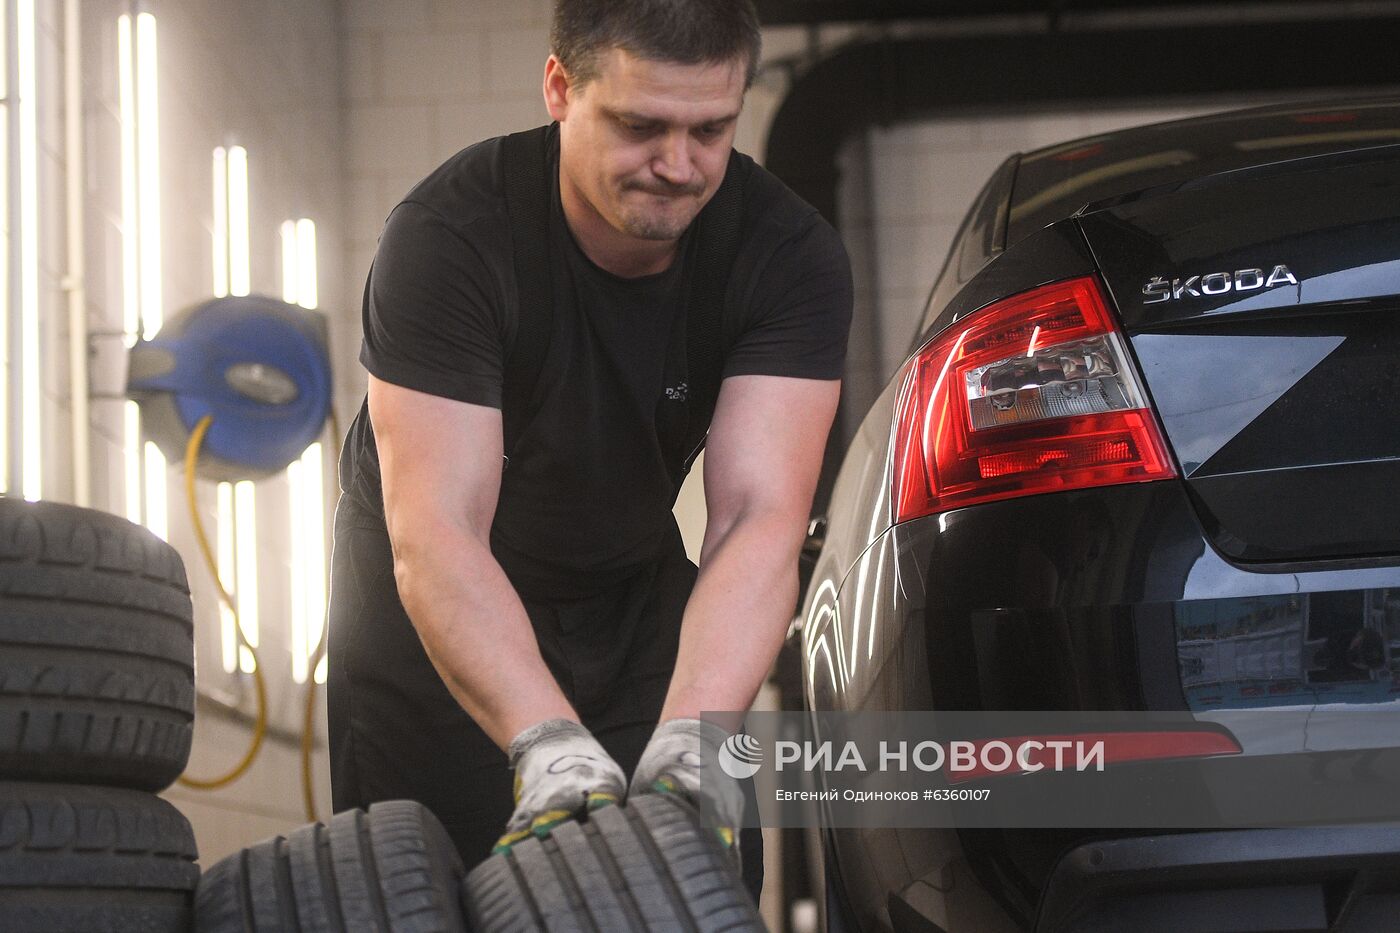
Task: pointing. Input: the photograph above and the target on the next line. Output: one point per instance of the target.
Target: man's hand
(560, 771)
(681, 759)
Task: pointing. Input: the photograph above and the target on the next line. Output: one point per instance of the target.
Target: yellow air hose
(260, 723)
(308, 731)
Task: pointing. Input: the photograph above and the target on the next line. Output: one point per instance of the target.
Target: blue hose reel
(259, 366)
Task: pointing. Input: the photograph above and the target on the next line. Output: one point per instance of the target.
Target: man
(533, 606)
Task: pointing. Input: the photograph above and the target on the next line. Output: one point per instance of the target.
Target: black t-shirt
(587, 492)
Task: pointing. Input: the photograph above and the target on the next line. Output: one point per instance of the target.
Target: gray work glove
(682, 758)
(560, 771)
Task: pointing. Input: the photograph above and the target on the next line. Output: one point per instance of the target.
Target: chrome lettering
(1217, 283)
(1256, 279)
(1188, 287)
(1157, 290)
(1279, 276)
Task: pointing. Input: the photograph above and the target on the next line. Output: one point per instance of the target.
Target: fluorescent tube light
(126, 93)
(227, 569)
(306, 263)
(157, 514)
(289, 261)
(240, 273)
(131, 449)
(148, 168)
(31, 430)
(220, 232)
(246, 545)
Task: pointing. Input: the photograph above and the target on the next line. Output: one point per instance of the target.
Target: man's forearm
(737, 617)
(477, 634)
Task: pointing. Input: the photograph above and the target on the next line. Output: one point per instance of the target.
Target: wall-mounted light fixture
(308, 613)
(148, 184)
(289, 261)
(9, 320)
(131, 239)
(246, 561)
(131, 456)
(220, 231)
(305, 477)
(240, 269)
(157, 505)
(224, 558)
(236, 556)
(32, 442)
(147, 493)
(306, 263)
(21, 428)
(232, 272)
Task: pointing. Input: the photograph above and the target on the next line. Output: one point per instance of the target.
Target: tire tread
(78, 857)
(96, 649)
(648, 865)
(391, 869)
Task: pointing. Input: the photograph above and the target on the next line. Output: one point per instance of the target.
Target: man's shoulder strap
(527, 206)
(718, 246)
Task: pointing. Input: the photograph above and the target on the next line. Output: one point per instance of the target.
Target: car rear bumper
(1086, 600)
(1342, 878)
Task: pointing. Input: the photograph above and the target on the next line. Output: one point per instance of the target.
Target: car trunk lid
(1263, 306)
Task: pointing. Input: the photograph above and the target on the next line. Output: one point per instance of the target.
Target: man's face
(645, 143)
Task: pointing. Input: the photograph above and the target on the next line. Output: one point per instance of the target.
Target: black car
(1143, 456)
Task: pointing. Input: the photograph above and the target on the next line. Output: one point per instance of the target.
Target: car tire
(97, 859)
(96, 650)
(648, 865)
(393, 869)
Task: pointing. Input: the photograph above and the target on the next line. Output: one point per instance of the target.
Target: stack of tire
(647, 866)
(96, 715)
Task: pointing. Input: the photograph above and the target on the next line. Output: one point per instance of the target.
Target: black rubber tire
(392, 870)
(96, 649)
(93, 859)
(647, 866)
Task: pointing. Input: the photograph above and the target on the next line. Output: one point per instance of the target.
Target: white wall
(258, 73)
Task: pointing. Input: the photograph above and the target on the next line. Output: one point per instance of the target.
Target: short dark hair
(691, 32)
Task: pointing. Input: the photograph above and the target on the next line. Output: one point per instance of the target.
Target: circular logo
(740, 756)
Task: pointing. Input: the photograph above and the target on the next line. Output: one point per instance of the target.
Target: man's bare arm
(761, 467)
(441, 466)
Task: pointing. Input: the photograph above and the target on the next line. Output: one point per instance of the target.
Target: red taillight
(1035, 393)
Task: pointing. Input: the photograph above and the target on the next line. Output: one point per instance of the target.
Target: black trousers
(397, 733)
